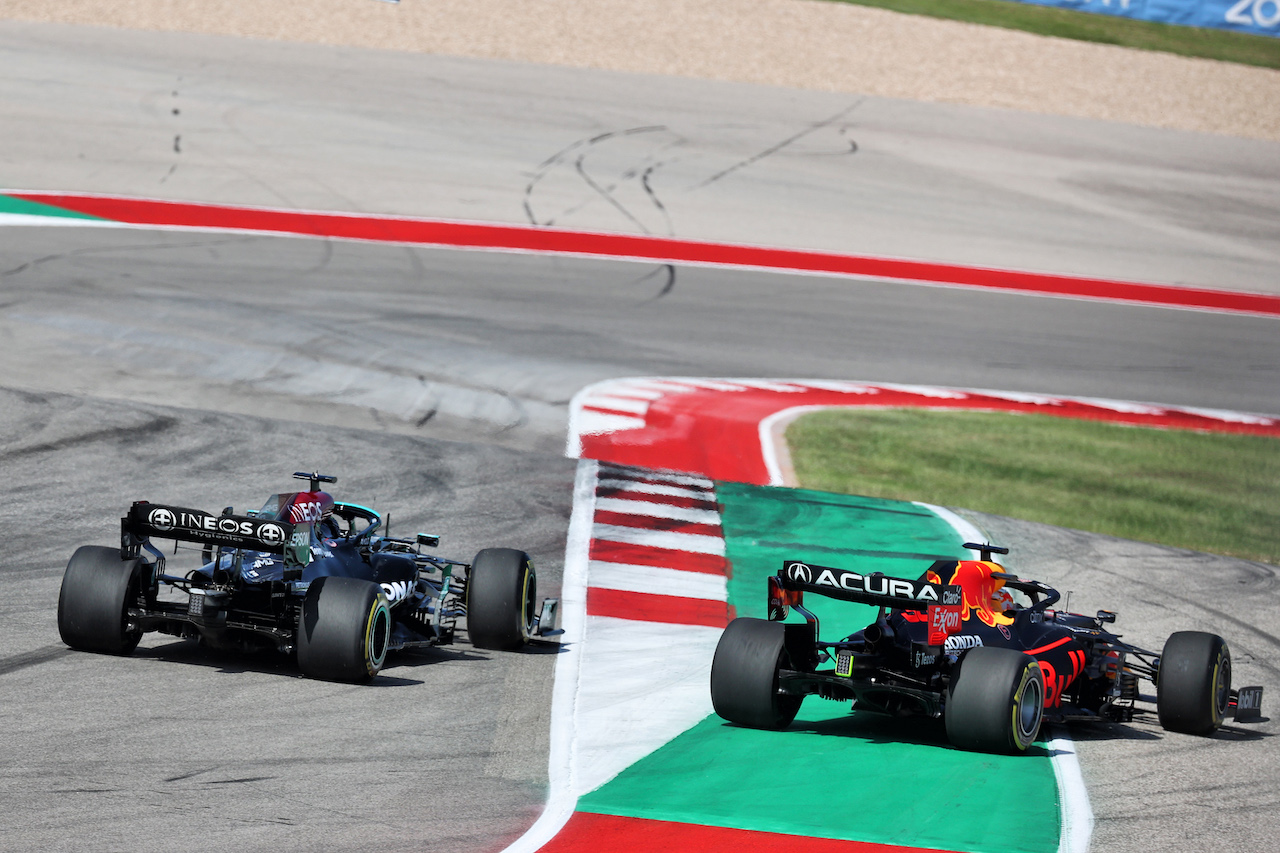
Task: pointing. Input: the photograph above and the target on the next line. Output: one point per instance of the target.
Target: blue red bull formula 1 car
(303, 575)
(969, 643)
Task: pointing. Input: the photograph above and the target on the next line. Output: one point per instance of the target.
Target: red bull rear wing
(942, 602)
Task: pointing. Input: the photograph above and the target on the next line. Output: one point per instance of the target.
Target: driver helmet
(1002, 601)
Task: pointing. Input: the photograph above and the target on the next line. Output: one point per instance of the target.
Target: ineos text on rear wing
(146, 520)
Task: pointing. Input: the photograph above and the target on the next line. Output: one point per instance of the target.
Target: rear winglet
(1249, 705)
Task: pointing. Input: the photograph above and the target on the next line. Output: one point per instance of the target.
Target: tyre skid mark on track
(13, 663)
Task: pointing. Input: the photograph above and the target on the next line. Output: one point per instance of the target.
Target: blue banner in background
(1259, 17)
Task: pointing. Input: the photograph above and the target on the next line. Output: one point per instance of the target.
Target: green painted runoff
(9, 204)
(833, 773)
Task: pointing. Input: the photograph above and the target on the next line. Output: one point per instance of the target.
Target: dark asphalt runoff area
(203, 369)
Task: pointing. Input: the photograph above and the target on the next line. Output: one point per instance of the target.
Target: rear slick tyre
(345, 630)
(995, 702)
(744, 675)
(501, 588)
(93, 604)
(1194, 683)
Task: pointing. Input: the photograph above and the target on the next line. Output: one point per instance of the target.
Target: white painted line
(565, 702)
(1076, 815)
(619, 404)
(650, 509)
(968, 531)
(643, 683)
(924, 391)
(655, 581)
(781, 386)
(672, 385)
(769, 442)
(626, 388)
(1122, 406)
(1226, 416)
(693, 542)
(588, 422)
(21, 219)
(842, 387)
(715, 384)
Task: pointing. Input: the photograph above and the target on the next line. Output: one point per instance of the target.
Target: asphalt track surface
(204, 368)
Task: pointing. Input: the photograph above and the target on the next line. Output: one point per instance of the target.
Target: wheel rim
(1029, 708)
(527, 594)
(376, 640)
(1222, 686)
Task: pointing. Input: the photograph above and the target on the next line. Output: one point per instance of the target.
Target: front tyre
(345, 630)
(995, 701)
(501, 588)
(1194, 683)
(93, 605)
(744, 675)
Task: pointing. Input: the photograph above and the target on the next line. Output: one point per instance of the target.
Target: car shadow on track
(879, 729)
(234, 663)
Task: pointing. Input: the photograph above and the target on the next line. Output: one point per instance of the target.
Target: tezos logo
(161, 519)
(272, 534)
(800, 573)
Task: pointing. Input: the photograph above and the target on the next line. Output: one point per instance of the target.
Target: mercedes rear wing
(147, 520)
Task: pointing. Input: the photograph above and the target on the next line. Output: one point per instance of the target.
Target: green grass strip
(1218, 493)
(1243, 48)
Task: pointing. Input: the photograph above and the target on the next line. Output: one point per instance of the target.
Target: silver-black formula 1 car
(971, 643)
(303, 575)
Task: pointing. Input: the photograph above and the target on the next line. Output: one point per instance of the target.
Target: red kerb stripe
(646, 607)
(599, 833)
(662, 558)
(649, 522)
